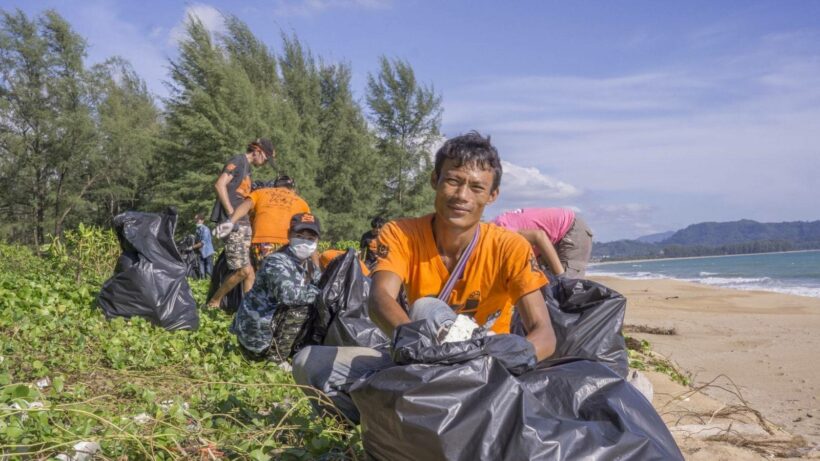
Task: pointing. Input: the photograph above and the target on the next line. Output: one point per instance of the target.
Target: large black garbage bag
(149, 279)
(341, 308)
(414, 343)
(477, 410)
(230, 302)
(587, 318)
(468, 401)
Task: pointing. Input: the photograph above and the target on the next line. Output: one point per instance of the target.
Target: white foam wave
(631, 275)
(732, 280)
(735, 283)
(706, 274)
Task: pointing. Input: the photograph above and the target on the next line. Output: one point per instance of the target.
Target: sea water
(796, 273)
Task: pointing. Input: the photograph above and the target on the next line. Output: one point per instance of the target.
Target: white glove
(222, 230)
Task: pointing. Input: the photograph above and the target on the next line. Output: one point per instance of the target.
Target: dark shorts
(238, 247)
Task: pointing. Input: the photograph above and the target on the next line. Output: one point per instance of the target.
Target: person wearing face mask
(272, 313)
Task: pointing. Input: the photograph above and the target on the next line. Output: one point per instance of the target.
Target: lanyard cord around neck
(459, 269)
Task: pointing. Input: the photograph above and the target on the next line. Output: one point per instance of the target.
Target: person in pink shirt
(559, 237)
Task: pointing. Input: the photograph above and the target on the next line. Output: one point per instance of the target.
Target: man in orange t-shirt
(272, 209)
(501, 274)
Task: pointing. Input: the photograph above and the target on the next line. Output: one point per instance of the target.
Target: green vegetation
(641, 357)
(81, 144)
(138, 390)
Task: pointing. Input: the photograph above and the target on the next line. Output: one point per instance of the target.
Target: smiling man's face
(462, 193)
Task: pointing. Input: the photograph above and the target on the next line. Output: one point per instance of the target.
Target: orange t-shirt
(501, 269)
(329, 255)
(272, 210)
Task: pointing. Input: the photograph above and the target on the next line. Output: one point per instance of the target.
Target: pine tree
(407, 119)
(213, 112)
(350, 173)
(48, 156)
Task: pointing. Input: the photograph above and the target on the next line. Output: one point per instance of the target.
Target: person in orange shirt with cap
(447, 262)
(272, 208)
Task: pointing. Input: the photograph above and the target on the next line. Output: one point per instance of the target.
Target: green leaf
(259, 455)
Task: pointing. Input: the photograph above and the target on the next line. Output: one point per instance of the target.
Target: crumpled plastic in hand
(222, 230)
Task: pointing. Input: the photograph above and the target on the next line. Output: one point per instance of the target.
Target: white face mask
(302, 248)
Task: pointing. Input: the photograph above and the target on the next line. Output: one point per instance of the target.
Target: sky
(643, 116)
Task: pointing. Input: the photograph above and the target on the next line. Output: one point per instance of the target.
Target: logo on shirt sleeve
(382, 250)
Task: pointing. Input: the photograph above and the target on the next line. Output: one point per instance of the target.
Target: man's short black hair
(470, 149)
(378, 221)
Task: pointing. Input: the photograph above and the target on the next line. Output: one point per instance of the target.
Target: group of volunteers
(445, 262)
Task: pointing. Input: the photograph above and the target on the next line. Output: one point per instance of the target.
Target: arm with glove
(223, 229)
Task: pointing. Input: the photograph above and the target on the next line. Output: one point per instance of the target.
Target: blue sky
(644, 116)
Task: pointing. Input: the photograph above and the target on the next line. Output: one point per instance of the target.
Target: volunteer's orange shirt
(272, 210)
(329, 255)
(501, 269)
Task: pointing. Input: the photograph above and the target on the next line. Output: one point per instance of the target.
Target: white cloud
(211, 18)
(310, 7)
(740, 129)
(524, 187)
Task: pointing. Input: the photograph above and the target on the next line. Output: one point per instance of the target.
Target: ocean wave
(631, 275)
(706, 274)
(734, 283)
(732, 280)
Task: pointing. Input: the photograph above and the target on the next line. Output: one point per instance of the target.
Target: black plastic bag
(149, 279)
(587, 318)
(231, 301)
(478, 410)
(340, 317)
(468, 401)
(189, 256)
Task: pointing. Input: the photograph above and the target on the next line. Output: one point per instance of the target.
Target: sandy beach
(764, 345)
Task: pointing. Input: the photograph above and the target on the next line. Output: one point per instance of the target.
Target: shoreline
(762, 344)
(604, 263)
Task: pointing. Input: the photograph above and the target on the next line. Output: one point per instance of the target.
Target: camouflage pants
(260, 250)
(238, 247)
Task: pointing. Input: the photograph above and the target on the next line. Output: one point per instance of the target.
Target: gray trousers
(575, 249)
(333, 370)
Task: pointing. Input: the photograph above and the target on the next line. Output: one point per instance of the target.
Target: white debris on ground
(461, 330)
(43, 383)
(142, 418)
(284, 366)
(25, 406)
(165, 405)
(83, 451)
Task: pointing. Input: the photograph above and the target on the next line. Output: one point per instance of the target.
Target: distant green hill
(714, 238)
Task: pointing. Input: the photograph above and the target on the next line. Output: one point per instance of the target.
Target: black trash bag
(478, 410)
(587, 318)
(414, 343)
(231, 301)
(149, 278)
(341, 317)
(189, 256)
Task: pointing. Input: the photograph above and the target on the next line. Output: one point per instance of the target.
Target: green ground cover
(68, 375)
